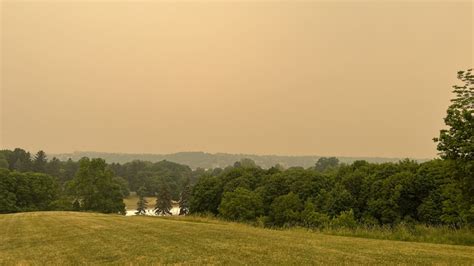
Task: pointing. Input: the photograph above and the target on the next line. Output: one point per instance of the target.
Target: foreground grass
(413, 233)
(401, 232)
(71, 238)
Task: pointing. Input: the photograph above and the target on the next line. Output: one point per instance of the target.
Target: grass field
(71, 238)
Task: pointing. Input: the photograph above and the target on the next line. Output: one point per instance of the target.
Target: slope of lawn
(69, 238)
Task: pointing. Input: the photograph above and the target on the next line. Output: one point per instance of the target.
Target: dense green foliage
(206, 195)
(3, 162)
(33, 184)
(92, 185)
(26, 191)
(95, 189)
(241, 205)
(151, 175)
(457, 142)
(317, 197)
(362, 193)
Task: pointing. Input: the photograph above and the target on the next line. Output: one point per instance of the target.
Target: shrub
(285, 210)
(345, 219)
(241, 205)
(312, 219)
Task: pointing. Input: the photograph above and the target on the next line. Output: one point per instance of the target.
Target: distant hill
(213, 160)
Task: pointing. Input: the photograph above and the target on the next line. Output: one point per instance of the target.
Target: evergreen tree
(20, 160)
(69, 169)
(163, 200)
(142, 203)
(40, 162)
(53, 168)
(184, 198)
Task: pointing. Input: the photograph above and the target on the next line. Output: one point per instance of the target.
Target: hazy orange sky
(320, 78)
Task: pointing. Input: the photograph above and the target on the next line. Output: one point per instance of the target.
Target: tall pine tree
(184, 198)
(40, 162)
(142, 203)
(163, 200)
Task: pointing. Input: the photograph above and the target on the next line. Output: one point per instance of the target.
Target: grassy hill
(70, 238)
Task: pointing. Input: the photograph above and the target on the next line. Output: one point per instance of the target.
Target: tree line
(87, 184)
(215, 160)
(329, 192)
(358, 193)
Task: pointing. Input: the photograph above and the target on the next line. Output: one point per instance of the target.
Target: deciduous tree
(96, 189)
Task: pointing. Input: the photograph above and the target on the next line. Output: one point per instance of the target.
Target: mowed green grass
(71, 238)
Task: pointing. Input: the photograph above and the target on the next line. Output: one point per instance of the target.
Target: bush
(241, 205)
(345, 219)
(206, 195)
(285, 210)
(261, 221)
(312, 219)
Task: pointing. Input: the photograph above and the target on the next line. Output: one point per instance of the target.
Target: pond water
(150, 212)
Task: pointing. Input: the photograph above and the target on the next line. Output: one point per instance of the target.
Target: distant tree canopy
(324, 164)
(150, 175)
(205, 160)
